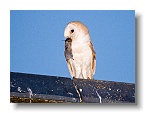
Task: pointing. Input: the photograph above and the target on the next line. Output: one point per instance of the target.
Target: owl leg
(85, 72)
(71, 69)
(78, 71)
(90, 76)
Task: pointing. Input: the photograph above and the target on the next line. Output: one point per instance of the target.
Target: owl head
(75, 30)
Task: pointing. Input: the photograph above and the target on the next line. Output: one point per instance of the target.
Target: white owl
(79, 52)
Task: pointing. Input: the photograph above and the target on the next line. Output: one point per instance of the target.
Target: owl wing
(93, 62)
(70, 67)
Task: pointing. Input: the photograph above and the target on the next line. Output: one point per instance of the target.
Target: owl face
(71, 31)
(74, 29)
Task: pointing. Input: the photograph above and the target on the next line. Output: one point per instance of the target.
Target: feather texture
(79, 51)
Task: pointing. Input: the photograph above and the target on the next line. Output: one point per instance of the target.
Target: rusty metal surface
(105, 91)
(41, 86)
(59, 89)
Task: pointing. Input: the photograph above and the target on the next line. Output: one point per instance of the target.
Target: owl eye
(72, 31)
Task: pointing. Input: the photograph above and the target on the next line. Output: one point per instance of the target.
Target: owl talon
(73, 77)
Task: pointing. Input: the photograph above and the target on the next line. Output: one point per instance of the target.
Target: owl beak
(68, 37)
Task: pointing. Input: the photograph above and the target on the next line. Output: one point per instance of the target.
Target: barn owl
(79, 51)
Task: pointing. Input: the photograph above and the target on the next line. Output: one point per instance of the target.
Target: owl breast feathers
(79, 51)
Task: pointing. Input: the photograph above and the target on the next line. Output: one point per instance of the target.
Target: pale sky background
(36, 44)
